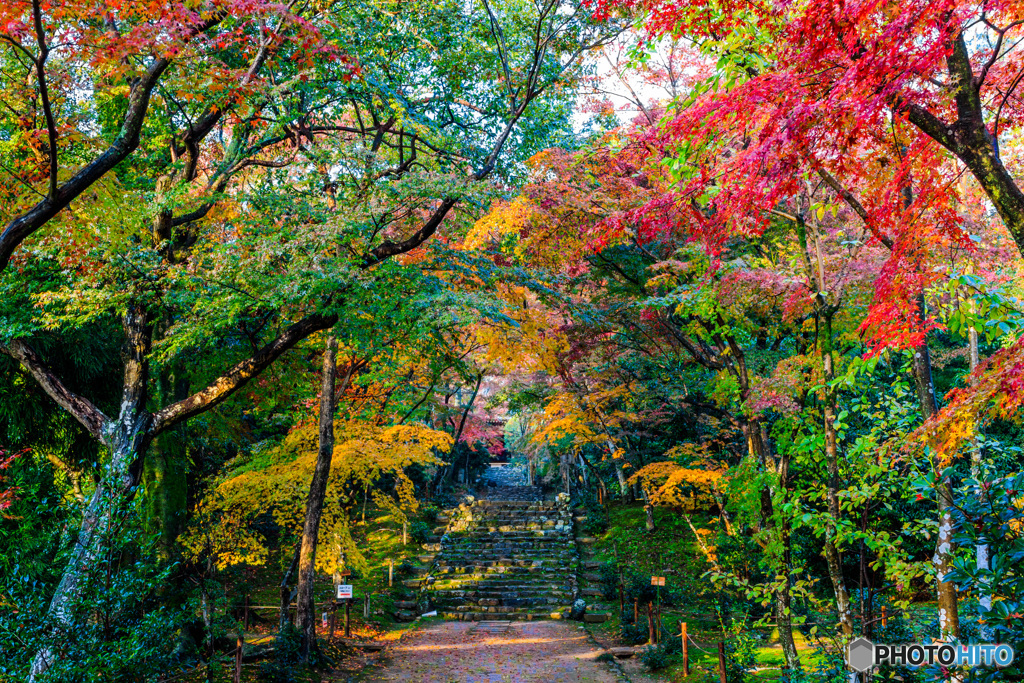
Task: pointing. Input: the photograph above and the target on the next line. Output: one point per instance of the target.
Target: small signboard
(657, 580)
(345, 572)
(345, 591)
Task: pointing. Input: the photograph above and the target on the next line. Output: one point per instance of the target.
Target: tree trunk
(128, 438)
(164, 476)
(286, 592)
(620, 473)
(833, 558)
(783, 595)
(109, 499)
(315, 505)
(949, 619)
(970, 139)
(981, 549)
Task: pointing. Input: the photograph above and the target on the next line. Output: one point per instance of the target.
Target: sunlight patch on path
(528, 652)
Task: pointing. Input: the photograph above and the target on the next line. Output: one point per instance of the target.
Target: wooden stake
(622, 592)
(405, 532)
(238, 659)
(651, 636)
(686, 648)
(334, 616)
(636, 613)
(391, 571)
(721, 663)
(348, 629)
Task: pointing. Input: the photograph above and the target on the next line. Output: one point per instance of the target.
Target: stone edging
(613, 664)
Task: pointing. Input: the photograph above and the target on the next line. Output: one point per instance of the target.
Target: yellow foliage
(527, 340)
(669, 485)
(569, 415)
(364, 453)
(504, 219)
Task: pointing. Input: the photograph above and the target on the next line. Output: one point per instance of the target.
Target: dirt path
(468, 652)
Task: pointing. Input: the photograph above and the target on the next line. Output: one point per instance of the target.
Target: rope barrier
(690, 638)
(199, 667)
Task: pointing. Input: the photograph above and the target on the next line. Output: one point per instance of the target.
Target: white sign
(344, 591)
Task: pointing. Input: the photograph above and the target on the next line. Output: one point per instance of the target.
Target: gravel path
(466, 652)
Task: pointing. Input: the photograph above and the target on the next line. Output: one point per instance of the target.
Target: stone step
(468, 604)
(492, 570)
(506, 525)
(518, 535)
(457, 565)
(528, 543)
(516, 616)
(503, 553)
(507, 555)
(516, 504)
(481, 584)
(503, 597)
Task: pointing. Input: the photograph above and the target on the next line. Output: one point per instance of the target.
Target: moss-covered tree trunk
(306, 607)
(164, 475)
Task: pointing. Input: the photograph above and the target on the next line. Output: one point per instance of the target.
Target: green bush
(405, 569)
(421, 532)
(634, 633)
(656, 657)
(609, 581)
(283, 666)
(430, 513)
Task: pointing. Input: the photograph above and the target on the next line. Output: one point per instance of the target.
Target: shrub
(429, 513)
(609, 581)
(420, 532)
(285, 662)
(634, 633)
(655, 657)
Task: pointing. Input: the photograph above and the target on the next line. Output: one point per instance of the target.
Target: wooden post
(334, 616)
(885, 619)
(686, 648)
(405, 532)
(622, 592)
(721, 663)
(366, 606)
(636, 611)
(209, 661)
(348, 628)
(651, 636)
(391, 571)
(238, 659)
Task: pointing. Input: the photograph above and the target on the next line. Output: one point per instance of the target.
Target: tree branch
(124, 144)
(44, 94)
(82, 409)
(240, 375)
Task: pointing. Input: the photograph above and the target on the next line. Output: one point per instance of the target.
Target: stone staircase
(510, 555)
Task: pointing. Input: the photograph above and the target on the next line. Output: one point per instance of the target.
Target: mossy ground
(380, 540)
(671, 550)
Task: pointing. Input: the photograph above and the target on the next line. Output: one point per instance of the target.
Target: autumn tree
(219, 230)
